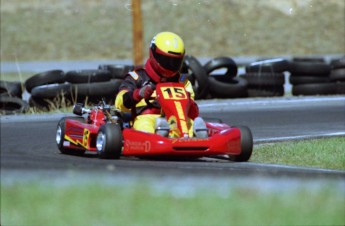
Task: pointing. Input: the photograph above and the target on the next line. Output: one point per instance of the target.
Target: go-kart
(109, 132)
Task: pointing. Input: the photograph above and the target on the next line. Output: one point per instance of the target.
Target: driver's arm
(124, 100)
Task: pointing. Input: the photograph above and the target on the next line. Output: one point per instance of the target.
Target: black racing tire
(232, 88)
(60, 136)
(338, 74)
(266, 91)
(109, 141)
(222, 63)
(246, 145)
(309, 69)
(276, 65)
(299, 80)
(44, 78)
(51, 91)
(269, 79)
(96, 91)
(88, 76)
(117, 71)
(12, 105)
(309, 59)
(338, 63)
(198, 72)
(340, 87)
(11, 89)
(314, 89)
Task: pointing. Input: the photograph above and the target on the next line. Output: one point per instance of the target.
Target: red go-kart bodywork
(106, 134)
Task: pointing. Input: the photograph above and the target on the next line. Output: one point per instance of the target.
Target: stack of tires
(55, 88)
(311, 77)
(215, 79)
(338, 74)
(197, 75)
(11, 101)
(266, 77)
(223, 80)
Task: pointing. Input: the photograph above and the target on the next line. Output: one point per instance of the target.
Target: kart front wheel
(60, 136)
(109, 141)
(246, 145)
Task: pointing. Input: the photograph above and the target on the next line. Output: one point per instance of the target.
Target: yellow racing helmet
(166, 53)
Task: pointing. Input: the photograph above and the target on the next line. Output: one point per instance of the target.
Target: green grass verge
(96, 204)
(16, 76)
(327, 153)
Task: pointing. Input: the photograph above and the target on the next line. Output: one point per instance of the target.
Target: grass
(50, 202)
(16, 76)
(68, 30)
(327, 153)
(140, 204)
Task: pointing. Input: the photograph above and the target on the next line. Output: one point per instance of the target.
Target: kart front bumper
(137, 143)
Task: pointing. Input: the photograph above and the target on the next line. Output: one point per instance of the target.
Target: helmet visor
(169, 62)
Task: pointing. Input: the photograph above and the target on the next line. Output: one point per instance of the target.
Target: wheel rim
(100, 141)
(58, 135)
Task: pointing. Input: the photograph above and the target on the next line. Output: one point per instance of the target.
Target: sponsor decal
(190, 140)
(86, 137)
(66, 143)
(143, 146)
(83, 143)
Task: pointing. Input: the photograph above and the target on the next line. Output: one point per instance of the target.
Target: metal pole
(137, 33)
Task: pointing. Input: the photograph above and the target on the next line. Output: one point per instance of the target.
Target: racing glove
(143, 92)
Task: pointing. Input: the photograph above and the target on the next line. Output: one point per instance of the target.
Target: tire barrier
(311, 77)
(11, 89)
(44, 78)
(217, 78)
(88, 76)
(12, 105)
(227, 87)
(222, 63)
(315, 89)
(117, 71)
(266, 77)
(49, 96)
(197, 74)
(338, 74)
(225, 84)
(276, 65)
(265, 84)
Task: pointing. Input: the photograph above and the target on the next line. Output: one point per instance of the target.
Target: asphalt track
(28, 142)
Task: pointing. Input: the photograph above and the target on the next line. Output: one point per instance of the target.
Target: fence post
(137, 33)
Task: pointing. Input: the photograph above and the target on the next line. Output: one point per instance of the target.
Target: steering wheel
(153, 104)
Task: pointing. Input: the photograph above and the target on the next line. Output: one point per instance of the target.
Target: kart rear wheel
(246, 145)
(109, 141)
(60, 136)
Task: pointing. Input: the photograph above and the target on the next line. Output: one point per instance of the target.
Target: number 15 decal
(174, 93)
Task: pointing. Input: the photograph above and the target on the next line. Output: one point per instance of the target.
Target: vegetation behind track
(85, 29)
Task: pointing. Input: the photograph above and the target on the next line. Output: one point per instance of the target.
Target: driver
(166, 57)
